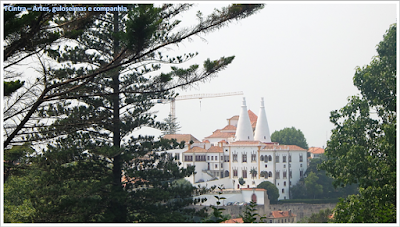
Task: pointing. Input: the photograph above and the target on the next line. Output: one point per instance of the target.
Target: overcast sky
(301, 57)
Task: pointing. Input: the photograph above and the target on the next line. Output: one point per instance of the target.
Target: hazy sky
(301, 57)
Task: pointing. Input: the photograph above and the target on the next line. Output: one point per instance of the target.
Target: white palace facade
(242, 149)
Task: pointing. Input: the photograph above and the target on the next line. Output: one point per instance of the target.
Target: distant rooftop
(316, 150)
(182, 137)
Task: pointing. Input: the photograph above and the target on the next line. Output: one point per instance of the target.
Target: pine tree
(102, 92)
(172, 127)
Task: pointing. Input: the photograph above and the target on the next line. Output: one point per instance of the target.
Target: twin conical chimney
(262, 129)
(244, 131)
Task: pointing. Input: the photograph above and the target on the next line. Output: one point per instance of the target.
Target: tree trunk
(118, 208)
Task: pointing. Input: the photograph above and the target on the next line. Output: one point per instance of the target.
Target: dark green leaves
(290, 136)
(362, 147)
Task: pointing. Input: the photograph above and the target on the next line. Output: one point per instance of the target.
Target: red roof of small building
(316, 150)
(234, 220)
(281, 214)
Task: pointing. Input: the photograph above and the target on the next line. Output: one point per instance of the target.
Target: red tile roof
(215, 149)
(234, 220)
(236, 117)
(229, 127)
(196, 150)
(316, 150)
(253, 117)
(281, 214)
(182, 137)
(219, 134)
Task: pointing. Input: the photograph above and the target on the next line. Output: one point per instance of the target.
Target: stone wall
(300, 209)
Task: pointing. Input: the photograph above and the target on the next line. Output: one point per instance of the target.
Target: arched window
(254, 198)
(270, 158)
(226, 173)
(262, 157)
(270, 174)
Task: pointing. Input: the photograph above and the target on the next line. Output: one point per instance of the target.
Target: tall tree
(272, 190)
(102, 92)
(362, 148)
(290, 136)
(27, 35)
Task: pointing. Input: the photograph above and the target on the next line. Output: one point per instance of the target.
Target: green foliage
(241, 181)
(217, 216)
(16, 159)
(321, 217)
(362, 148)
(17, 205)
(272, 190)
(93, 169)
(299, 191)
(312, 187)
(290, 136)
(250, 214)
(172, 127)
(12, 86)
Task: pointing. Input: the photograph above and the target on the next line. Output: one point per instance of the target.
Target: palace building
(242, 149)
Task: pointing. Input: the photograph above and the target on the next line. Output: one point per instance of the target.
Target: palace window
(284, 159)
(235, 157)
(290, 158)
(277, 174)
(270, 158)
(284, 174)
(301, 173)
(235, 173)
(301, 158)
(262, 157)
(277, 159)
(188, 158)
(253, 157)
(244, 157)
(226, 158)
(244, 173)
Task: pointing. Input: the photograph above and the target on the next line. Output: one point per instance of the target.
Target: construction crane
(195, 96)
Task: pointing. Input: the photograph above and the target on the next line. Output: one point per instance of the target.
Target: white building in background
(243, 149)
